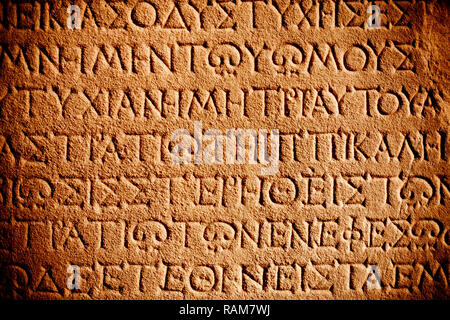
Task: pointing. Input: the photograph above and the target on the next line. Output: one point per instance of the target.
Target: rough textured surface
(353, 202)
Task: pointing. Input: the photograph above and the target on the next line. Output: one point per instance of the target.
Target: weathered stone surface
(224, 149)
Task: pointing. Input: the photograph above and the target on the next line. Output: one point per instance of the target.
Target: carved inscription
(350, 113)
